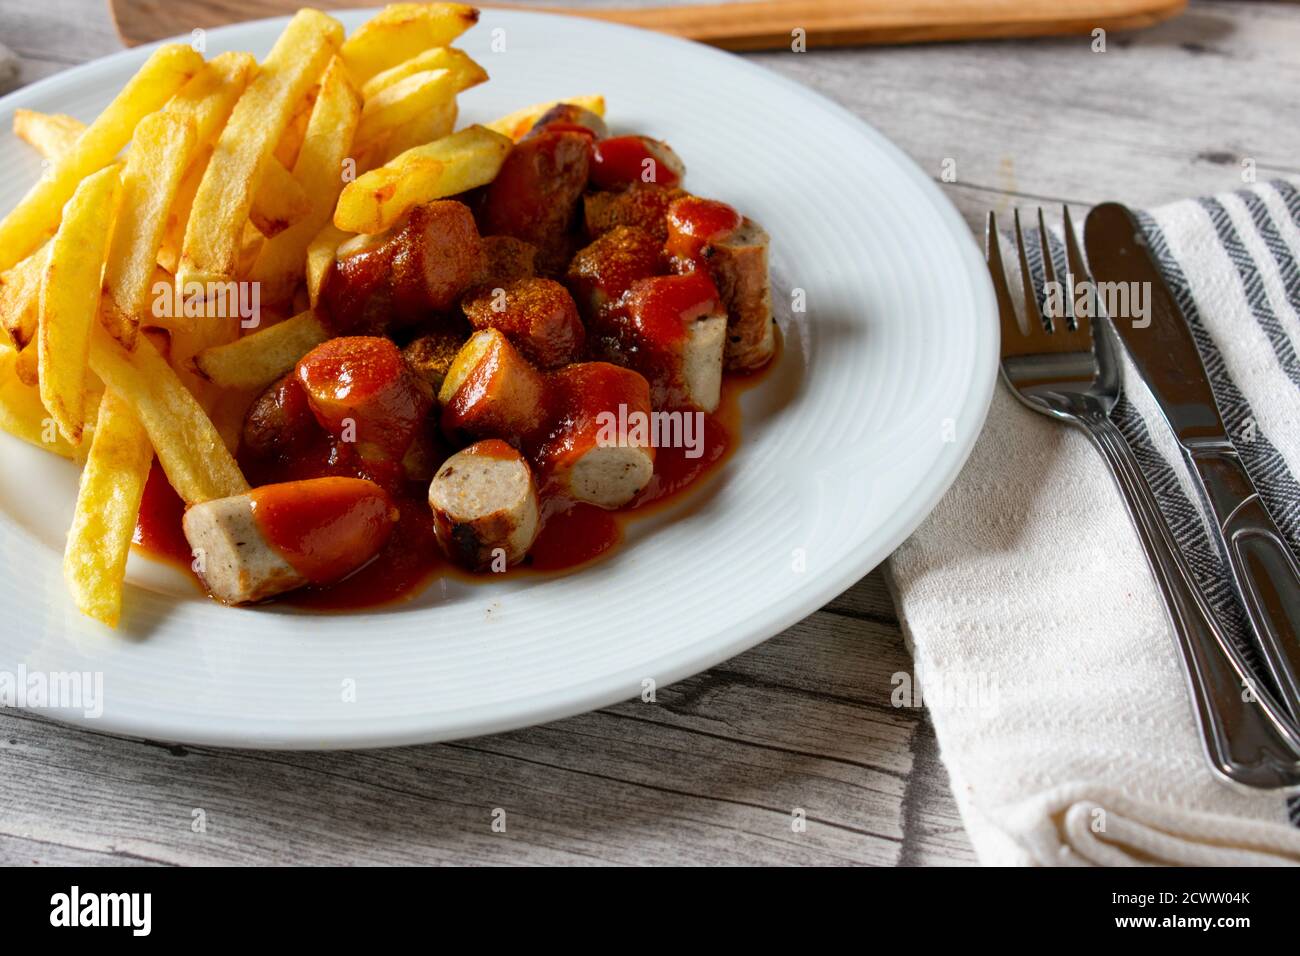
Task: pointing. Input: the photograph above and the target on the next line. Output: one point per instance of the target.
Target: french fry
(433, 125)
(192, 453)
(403, 102)
(108, 502)
(27, 368)
(160, 151)
(517, 124)
(286, 151)
(257, 360)
(70, 293)
(20, 293)
(320, 256)
(210, 250)
(318, 174)
(23, 415)
(36, 217)
(460, 64)
(157, 316)
(280, 200)
(52, 134)
(373, 202)
(210, 96)
(400, 31)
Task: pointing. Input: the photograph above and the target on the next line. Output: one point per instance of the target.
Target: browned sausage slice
(485, 506)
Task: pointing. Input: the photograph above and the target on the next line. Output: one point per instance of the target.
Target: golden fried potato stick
(22, 414)
(160, 151)
(319, 173)
(459, 63)
(192, 453)
(402, 103)
(108, 502)
(257, 360)
(280, 200)
(36, 217)
(434, 124)
(401, 31)
(27, 368)
(52, 134)
(517, 124)
(210, 250)
(320, 256)
(20, 294)
(70, 294)
(373, 202)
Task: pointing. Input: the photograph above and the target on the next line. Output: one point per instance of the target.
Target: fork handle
(1246, 736)
(1264, 571)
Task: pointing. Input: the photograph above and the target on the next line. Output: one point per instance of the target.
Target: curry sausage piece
(584, 457)
(420, 266)
(485, 506)
(505, 259)
(709, 235)
(601, 272)
(492, 391)
(279, 419)
(672, 329)
(627, 160)
(569, 116)
(361, 390)
(537, 315)
(644, 205)
(535, 195)
(276, 538)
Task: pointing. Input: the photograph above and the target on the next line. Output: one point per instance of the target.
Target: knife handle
(1246, 737)
(1264, 569)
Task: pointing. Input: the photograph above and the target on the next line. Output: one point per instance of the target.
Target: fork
(1060, 366)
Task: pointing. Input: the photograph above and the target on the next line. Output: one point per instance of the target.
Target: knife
(1263, 568)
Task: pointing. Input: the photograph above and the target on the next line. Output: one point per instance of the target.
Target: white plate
(882, 390)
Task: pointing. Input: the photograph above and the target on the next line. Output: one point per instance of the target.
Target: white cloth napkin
(1039, 641)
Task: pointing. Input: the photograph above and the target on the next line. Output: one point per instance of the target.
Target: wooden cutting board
(763, 25)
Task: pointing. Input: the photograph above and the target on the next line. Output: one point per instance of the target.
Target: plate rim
(739, 634)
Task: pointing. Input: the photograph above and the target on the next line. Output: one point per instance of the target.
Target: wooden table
(713, 772)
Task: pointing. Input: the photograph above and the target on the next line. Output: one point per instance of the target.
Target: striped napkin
(1039, 641)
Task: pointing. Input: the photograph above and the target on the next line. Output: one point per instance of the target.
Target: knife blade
(1263, 568)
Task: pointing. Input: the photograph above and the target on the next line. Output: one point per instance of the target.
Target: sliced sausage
(601, 272)
(537, 315)
(584, 457)
(505, 259)
(492, 391)
(279, 537)
(569, 116)
(535, 195)
(628, 160)
(419, 267)
(641, 205)
(672, 329)
(279, 420)
(706, 234)
(485, 506)
(361, 391)
(430, 356)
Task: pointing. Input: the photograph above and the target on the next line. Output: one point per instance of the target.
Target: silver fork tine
(1049, 272)
(1079, 269)
(1014, 340)
(1033, 316)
